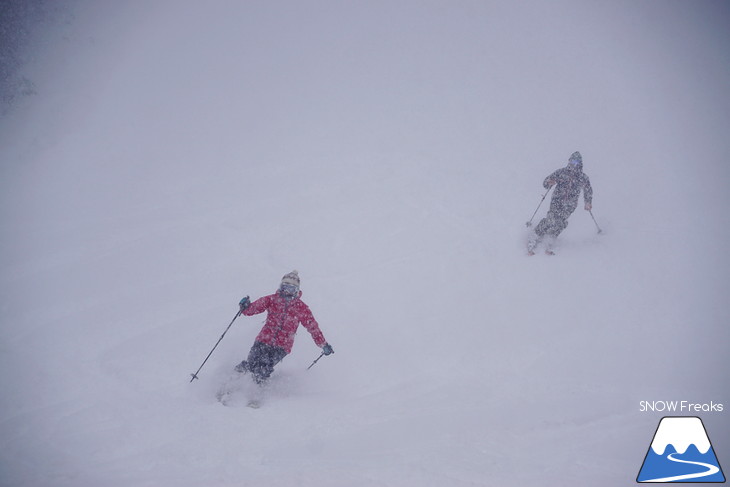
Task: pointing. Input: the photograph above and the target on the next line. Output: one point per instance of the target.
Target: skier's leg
(274, 356)
(560, 220)
(557, 228)
(558, 223)
(550, 225)
(536, 237)
(542, 227)
(262, 359)
(255, 359)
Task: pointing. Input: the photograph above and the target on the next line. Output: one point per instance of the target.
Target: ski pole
(195, 375)
(316, 360)
(594, 221)
(528, 224)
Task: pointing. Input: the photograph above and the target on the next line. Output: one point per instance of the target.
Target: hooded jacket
(568, 183)
(283, 319)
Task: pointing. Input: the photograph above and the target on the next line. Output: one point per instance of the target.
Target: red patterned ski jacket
(283, 319)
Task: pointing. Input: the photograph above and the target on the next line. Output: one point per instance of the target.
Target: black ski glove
(244, 303)
(327, 349)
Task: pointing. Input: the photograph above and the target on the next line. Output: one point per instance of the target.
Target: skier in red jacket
(286, 311)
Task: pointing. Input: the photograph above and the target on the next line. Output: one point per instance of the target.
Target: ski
(533, 242)
(531, 251)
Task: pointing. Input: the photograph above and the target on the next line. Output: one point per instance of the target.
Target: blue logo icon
(681, 452)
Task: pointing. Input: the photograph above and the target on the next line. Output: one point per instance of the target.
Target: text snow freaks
(680, 407)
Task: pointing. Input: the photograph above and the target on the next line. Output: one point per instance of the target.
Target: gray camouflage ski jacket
(569, 181)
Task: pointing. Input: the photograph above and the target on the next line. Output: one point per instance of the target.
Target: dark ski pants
(261, 361)
(555, 221)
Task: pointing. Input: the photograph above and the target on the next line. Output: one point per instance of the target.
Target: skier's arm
(312, 327)
(550, 180)
(258, 306)
(587, 193)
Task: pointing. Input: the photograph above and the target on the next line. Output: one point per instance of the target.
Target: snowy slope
(179, 156)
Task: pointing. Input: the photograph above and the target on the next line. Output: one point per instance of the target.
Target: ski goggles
(288, 289)
(574, 162)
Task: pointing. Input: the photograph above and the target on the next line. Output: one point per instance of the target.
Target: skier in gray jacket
(568, 182)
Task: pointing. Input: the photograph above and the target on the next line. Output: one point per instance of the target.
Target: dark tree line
(22, 26)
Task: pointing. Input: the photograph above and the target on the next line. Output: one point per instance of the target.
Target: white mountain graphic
(679, 463)
(680, 432)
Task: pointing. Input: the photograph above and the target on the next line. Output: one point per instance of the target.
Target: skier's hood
(576, 161)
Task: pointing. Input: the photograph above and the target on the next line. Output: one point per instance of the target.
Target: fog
(172, 157)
